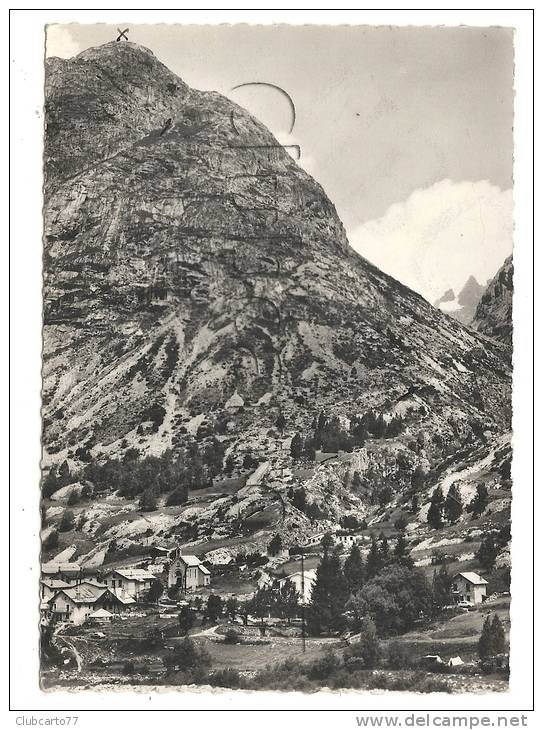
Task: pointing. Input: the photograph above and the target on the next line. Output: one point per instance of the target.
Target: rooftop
(473, 578)
(84, 593)
(137, 574)
(309, 575)
(54, 583)
(191, 560)
(53, 567)
(101, 613)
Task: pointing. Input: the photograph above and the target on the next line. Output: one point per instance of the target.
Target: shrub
(226, 678)
(325, 666)
(129, 667)
(398, 657)
(343, 679)
(368, 649)
(148, 501)
(187, 655)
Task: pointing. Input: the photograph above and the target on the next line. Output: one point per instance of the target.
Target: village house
(314, 540)
(50, 586)
(303, 584)
(129, 582)
(187, 572)
(76, 603)
(469, 588)
(67, 572)
(159, 551)
(347, 539)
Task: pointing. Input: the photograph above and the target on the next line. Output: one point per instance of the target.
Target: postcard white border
(26, 62)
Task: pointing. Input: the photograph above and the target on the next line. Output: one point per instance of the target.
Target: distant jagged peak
(448, 296)
(470, 292)
(461, 307)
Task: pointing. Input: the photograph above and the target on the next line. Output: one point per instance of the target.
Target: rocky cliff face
(494, 314)
(188, 259)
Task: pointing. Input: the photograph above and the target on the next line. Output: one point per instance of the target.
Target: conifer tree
(441, 588)
(418, 477)
(492, 640)
(299, 499)
(479, 503)
(327, 542)
(401, 552)
(232, 607)
(384, 549)
(321, 423)
(185, 619)
(275, 544)
(435, 512)
(281, 422)
(328, 596)
(296, 447)
(488, 552)
(453, 504)
(353, 570)
(498, 635)
(486, 643)
(374, 562)
(287, 600)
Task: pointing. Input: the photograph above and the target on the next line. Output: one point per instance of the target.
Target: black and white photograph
(278, 282)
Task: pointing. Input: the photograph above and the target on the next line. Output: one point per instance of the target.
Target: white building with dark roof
(50, 586)
(134, 583)
(469, 588)
(76, 603)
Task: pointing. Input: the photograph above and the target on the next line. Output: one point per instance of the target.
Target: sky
(408, 129)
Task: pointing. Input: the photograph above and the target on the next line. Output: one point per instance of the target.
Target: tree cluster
(479, 502)
(449, 508)
(282, 602)
(488, 552)
(492, 639)
(386, 587)
(146, 477)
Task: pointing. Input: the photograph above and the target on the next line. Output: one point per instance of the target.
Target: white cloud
(440, 236)
(59, 42)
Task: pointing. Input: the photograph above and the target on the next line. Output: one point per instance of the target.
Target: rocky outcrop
(188, 258)
(494, 314)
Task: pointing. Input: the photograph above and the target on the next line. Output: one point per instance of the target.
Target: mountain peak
(188, 257)
(470, 292)
(115, 48)
(102, 101)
